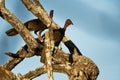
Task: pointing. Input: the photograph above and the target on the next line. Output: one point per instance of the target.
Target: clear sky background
(96, 32)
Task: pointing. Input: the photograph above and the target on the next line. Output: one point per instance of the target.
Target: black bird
(59, 33)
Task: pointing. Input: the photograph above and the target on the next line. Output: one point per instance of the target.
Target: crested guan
(59, 33)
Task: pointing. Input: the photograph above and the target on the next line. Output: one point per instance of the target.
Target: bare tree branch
(37, 11)
(83, 68)
(48, 53)
(42, 70)
(35, 73)
(6, 74)
(18, 25)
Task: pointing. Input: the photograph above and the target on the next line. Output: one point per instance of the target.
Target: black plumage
(71, 46)
(59, 33)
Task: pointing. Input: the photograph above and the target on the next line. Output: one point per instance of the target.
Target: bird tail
(12, 55)
(11, 32)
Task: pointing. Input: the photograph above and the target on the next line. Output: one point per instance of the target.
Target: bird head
(68, 22)
(51, 14)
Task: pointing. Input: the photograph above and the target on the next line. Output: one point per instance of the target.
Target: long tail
(12, 55)
(71, 46)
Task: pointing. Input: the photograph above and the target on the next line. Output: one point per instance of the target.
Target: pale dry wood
(83, 68)
(6, 74)
(48, 53)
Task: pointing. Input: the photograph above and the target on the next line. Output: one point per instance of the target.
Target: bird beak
(72, 23)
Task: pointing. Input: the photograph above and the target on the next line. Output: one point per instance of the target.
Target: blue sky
(96, 32)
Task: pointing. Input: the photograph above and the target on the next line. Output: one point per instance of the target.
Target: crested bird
(59, 33)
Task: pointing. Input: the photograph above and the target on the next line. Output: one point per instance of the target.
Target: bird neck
(51, 16)
(65, 26)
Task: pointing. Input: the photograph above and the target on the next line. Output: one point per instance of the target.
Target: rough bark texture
(48, 53)
(6, 74)
(82, 67)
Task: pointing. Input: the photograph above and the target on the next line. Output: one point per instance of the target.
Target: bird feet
(40, 38)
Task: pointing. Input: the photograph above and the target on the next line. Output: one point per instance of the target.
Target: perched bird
(32, 25)
(59, 33)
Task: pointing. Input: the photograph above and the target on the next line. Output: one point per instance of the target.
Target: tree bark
(48, 53)
(6, 74)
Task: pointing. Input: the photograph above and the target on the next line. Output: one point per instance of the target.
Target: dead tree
(82, 67)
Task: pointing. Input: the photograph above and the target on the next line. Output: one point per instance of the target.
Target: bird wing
(58, 35)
